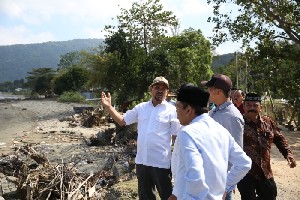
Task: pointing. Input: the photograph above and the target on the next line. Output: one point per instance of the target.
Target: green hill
(17, 60)
(222, 60)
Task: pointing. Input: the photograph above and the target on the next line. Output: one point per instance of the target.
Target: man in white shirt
(157, 123)
(202, 151)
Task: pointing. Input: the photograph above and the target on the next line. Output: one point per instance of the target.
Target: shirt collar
(259, 120)
(164, 102)
(199, 117)
(224, 105)
(220, 107)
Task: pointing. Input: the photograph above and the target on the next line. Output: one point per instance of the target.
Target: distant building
(18, 89)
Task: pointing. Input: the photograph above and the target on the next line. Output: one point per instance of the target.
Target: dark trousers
(151, 177)
(251, 188)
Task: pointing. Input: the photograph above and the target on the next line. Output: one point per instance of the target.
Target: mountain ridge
(18, 59)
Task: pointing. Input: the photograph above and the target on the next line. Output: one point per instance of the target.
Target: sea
(9, 96)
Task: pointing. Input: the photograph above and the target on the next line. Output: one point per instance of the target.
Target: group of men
(215, 150)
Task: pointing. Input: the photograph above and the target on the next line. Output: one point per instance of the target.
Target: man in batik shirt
(259, 134)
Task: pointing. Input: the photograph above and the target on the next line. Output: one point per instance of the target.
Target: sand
(37, 122)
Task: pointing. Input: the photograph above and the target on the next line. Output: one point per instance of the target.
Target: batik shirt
(258, 139)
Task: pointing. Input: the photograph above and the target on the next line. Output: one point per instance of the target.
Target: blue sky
(37, 21)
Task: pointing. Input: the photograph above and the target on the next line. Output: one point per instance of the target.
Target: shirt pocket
(269, 137)
(143, 121)
(163, 123)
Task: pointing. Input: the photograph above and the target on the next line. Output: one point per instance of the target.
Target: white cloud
(10, 8)
(34, 21)
(21, 35)
(37, 11)
(188, 8)
(94, 33)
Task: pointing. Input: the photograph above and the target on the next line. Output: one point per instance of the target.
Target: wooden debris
(39, 158)
(36, 178)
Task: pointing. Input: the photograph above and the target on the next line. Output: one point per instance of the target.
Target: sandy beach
(36, 121)
(39, 122)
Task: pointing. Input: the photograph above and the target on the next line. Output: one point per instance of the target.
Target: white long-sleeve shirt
(156, 125)
(200, 157)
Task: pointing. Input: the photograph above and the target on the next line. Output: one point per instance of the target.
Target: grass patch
(125, 190)
(74, 97)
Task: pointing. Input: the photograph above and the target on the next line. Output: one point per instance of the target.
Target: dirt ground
(37, 122)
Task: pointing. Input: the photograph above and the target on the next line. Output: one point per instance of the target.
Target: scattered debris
(37, 178)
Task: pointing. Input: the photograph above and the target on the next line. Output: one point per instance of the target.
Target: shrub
(147, 97)
(25, 93)
(75, 97)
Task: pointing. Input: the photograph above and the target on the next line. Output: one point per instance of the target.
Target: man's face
(232, 93)
(213, 94)
(159, 92)
(252, 109)
(181, 113)
(238, 97)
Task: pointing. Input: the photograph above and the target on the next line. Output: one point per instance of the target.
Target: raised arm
(106, 103)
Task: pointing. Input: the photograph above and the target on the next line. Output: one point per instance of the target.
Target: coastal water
(9, 96)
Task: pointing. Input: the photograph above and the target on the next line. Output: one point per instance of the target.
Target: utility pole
(246, 75)
(237, 72)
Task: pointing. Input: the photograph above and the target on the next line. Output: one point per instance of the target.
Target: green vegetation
(73, 78)
(252, 20)
(272, 66)
(25, 93)
(17, 60)
(146, 23)
(147, 97)
(222, 61)
(39, 80)
(74, 97)
(147, 43)
(9, 86)
(136, 52)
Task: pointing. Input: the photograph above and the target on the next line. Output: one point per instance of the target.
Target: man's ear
(190, 110)
(261, 107)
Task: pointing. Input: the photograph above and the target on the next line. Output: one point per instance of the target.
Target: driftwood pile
(88, 118)
(93, 118)
(37, 178)
(113, 136)
(110, 135)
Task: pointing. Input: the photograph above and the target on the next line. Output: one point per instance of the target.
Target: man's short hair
(219, 81)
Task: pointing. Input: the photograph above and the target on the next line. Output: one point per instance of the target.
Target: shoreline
(10, 96)
(25, 121)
